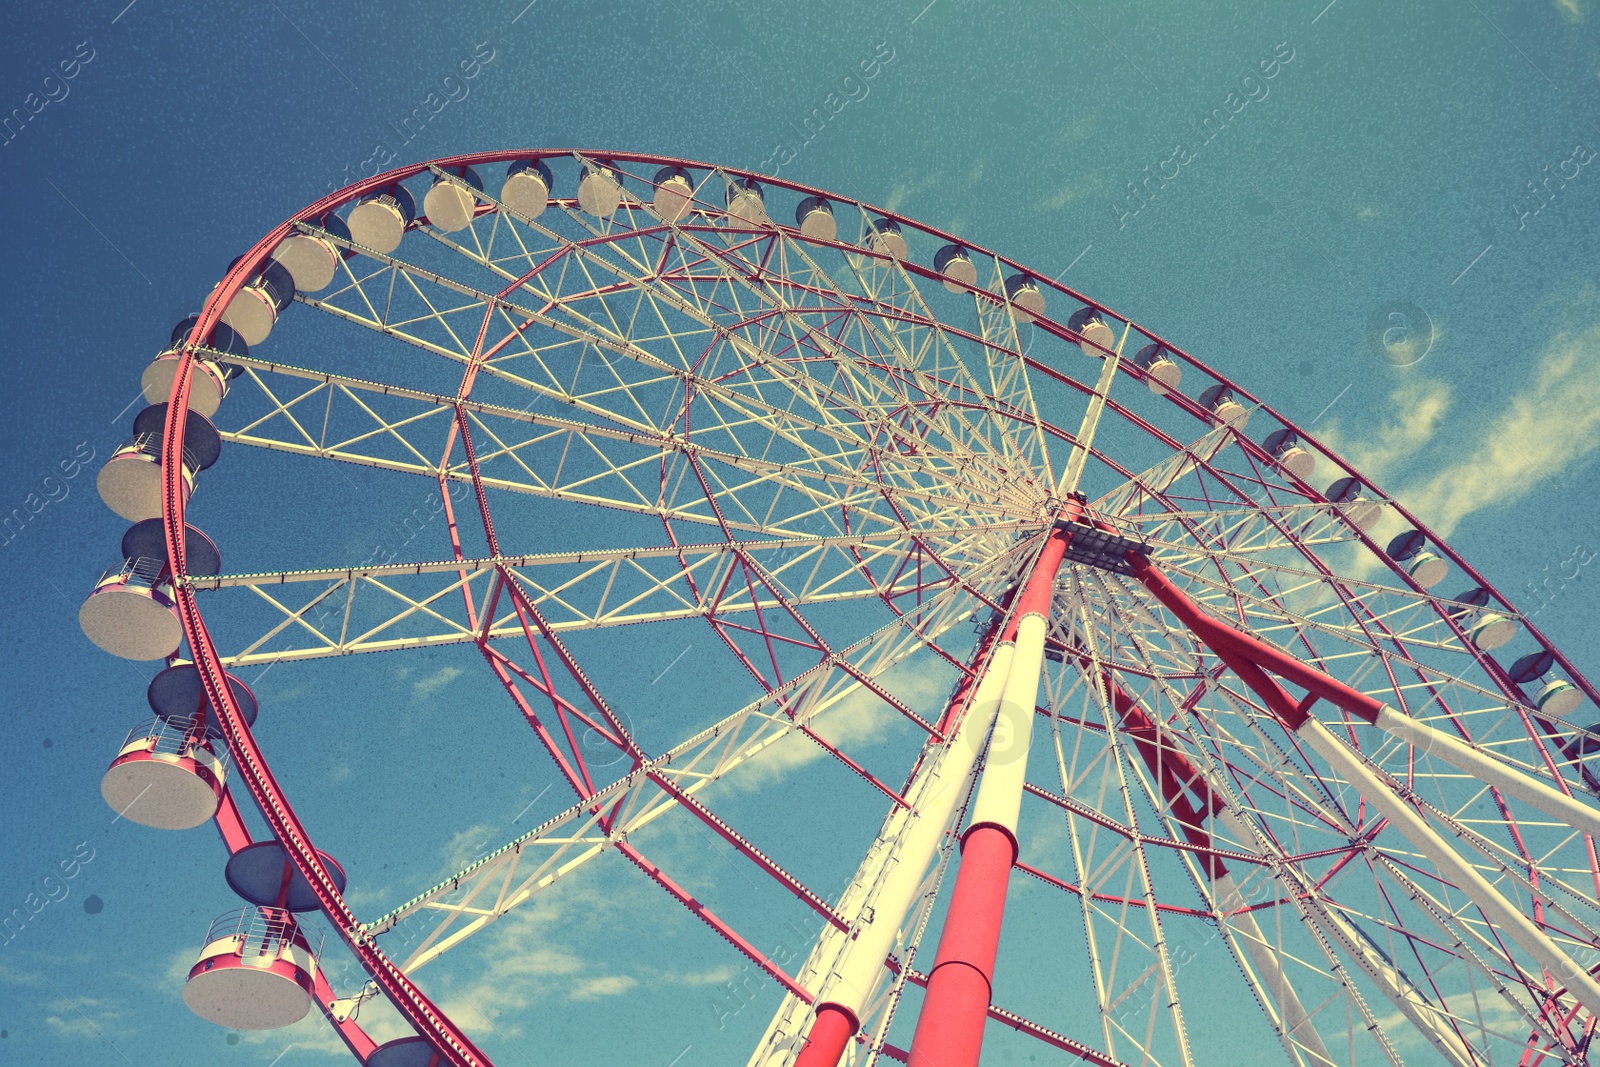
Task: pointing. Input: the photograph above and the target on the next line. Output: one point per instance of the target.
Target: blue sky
(1396, 162)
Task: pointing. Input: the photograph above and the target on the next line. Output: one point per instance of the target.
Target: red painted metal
(1248, 655)
(950, 1027)
(828, 1036)
(830, 1033)
(750, 851)
(707, 916)
(230, 824)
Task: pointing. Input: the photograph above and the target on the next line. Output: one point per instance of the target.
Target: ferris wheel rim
(253, 258)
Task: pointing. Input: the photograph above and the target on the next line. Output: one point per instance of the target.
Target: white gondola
(1162, 373)
(312, 259)
(379, 220)
(1026, 299)
(132, 611)
(599, 190)
(885, 235)
(956, 269)
(747, 203)
(674, 193)
(1428, 570)
(1487, 629)
(1220, 401)
(168, 774)
(450, 202)
(208, 382)
(256, 972)
(1491, 631)
(1349, 499)
(814, 216)
(1424, 567)
(129, 482)
(1098, 336)
(253, 311)
(1290, 454)
(1560, 698)
(527, 188)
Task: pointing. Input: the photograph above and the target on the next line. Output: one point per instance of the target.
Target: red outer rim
(440, 1032)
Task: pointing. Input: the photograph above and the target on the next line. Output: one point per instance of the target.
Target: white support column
(860, 968)
(1501, 912)
(1508, 780)
(999, 799)
(1394, 985)
(1263, 956)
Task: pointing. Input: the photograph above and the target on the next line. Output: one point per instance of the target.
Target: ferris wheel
(1196, 678)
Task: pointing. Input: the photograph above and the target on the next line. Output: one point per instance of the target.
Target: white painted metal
(1392, 982)
(1506, 916)
(1514, 783)
(860, 968)
(1263, 956)
(1005, 762)
(1091, 418)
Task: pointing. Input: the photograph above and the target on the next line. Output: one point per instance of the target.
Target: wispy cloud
(859, 720)
(1447, 456)
(88, 1018)
(1550, 425)
(610, 985)
(1497, 1017)
(468, 844)
(1418, 409)
(904, 191)
(429, 684)
(525, 959)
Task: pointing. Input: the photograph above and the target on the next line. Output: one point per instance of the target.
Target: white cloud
(1550, 424)
(860, 719)
(468, 845)
(521, 961)
(610, 985)
(1497, 1017)
(432, 683)
(1420, 407)
(1446, 455)
(13, 976)
(88, 1018)
(904, 191)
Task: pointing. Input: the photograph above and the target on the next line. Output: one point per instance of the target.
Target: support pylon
(950, 1029)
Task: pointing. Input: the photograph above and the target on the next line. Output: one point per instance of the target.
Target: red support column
(950, 1029)
(831, 1031)
(835, 1022)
